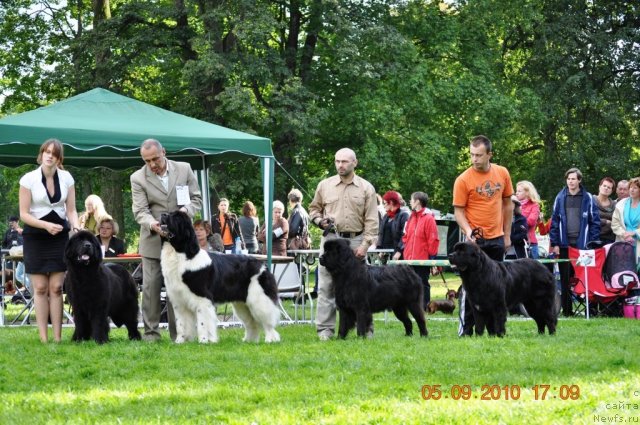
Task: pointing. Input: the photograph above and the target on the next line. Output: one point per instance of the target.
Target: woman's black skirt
(43, 252)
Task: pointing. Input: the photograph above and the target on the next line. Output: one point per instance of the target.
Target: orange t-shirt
(226, 233)
(481, 195)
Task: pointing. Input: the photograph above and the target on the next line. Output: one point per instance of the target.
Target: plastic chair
(292, 279)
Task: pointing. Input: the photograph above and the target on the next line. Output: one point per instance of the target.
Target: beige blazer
(150, 200)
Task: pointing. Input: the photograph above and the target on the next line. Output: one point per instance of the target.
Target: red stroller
(602, 278)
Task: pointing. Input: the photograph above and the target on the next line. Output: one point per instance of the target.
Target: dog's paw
(272, 336)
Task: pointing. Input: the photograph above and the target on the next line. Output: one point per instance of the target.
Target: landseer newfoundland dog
(362, 290)
(494, 288)
(98, 291)
(195, 280)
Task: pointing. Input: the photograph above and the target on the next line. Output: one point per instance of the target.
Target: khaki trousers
(152, 283)
(326, 312)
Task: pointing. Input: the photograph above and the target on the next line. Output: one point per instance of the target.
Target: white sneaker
(325, 335)
(151, 338)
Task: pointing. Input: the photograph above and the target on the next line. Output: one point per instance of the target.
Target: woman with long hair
(48, 211)
(249, 227)
(529, 199)
(93, 215)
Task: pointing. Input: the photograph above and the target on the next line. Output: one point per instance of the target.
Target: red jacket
(420, 238)
(543, 228)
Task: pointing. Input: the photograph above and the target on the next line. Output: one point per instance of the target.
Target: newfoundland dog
(362, 290)
(196, 280)
(98, 291)
(494, 288)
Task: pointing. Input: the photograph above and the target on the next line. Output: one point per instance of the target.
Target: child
(519, 230)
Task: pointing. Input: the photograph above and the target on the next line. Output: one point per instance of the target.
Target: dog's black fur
(362, 290)
(217, 277)
(493, 288)
(227, 278)
(98, 291)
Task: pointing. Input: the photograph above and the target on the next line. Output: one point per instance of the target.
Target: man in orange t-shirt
(483, 210)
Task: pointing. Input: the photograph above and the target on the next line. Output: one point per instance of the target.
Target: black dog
(98, 291)
(362, 290)
(493, 288)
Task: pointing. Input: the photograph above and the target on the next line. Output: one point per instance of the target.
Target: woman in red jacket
(421, 239)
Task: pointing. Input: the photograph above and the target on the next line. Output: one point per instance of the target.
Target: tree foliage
(406, 84)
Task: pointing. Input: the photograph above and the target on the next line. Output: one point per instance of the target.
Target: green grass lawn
(590, 368)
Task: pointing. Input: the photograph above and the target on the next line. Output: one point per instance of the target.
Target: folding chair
(592, 296)
(22, 278)
(292, 281)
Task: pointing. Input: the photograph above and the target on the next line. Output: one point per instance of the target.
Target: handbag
(631, 307)
(300, 242)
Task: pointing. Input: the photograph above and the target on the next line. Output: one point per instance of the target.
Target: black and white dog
(196, 280)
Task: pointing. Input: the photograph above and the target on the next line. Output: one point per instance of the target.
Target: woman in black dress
(48, 211)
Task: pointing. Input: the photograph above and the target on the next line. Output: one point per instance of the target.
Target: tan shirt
(352, 205)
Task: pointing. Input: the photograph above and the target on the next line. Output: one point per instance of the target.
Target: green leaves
(405, 84)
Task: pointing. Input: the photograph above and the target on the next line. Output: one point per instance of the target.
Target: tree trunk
(101, 13)
(111, 194)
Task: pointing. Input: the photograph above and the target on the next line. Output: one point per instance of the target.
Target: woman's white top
(40, 204)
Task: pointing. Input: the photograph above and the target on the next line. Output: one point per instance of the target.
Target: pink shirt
(531, 211)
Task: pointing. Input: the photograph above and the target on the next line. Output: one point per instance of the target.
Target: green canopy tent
(100, 128)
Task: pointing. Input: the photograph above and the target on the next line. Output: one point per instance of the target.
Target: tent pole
(206, 203)
(267, 166)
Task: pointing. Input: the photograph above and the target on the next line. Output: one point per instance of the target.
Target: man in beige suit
(161, 186)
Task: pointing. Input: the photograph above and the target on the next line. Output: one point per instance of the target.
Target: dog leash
(478, 235)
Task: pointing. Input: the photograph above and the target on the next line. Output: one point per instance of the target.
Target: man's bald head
(347, 152)
(153, 154)
(346, 162)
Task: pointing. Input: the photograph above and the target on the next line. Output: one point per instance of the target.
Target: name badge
(182, 193)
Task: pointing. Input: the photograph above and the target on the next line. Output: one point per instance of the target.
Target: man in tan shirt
(349, 202)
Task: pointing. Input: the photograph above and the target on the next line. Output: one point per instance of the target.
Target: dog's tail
(269, 285)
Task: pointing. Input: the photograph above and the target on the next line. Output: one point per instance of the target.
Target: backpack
(619, 269)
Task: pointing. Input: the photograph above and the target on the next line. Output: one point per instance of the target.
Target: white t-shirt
(40, 204)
